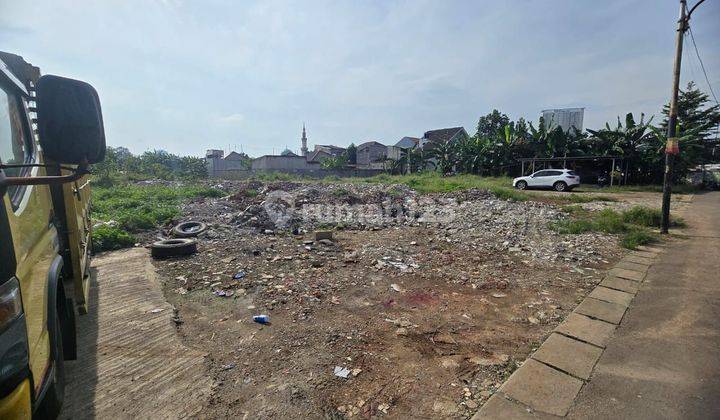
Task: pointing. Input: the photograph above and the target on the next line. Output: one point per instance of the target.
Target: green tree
(334, 162)
(695, 116)
(491, 124)
(351, 154)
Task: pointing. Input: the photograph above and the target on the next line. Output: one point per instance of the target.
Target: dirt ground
(405, 320)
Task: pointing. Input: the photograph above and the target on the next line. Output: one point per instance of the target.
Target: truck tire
(188, 229)
(173, 248)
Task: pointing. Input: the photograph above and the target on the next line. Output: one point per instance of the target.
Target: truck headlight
(10, 303)
(13, 337)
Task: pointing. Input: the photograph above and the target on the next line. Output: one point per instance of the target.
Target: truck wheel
(560, 186)
(173, 248)
(52, 402)
(188, 229)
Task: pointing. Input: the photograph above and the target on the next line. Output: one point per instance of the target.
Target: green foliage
(632, 224)
(335, 162)
(636, 238)
(140, 207)
(499, 142)
(351, 154)
(109, 238)
(121, 165)
(648, 217)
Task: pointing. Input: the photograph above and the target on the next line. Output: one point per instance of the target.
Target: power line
(702, 66)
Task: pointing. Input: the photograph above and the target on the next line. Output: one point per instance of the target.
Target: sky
(186, 76)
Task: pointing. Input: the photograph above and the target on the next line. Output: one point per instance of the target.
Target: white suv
(557, 179)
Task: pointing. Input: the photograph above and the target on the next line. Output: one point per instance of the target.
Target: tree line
(499, 142)
(120, 163)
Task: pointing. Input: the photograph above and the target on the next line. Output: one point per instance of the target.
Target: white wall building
(565, 118)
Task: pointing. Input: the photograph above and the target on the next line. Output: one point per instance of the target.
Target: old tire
(560, 186)
(521, 185)
(173, 248)
(188, 229)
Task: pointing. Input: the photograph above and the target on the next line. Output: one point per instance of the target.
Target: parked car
(557, 179)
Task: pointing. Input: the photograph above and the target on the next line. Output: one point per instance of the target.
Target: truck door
(29, 216)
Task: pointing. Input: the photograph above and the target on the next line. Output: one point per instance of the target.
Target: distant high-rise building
(565, 118)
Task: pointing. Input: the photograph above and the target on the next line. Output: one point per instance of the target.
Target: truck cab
(50, 131)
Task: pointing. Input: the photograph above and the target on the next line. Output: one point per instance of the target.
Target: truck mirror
(70, 121)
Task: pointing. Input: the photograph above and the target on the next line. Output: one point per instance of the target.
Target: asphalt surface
(664, 360)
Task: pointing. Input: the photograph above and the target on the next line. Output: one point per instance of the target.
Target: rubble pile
(375, 300)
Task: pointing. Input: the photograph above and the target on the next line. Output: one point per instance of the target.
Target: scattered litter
(356, 371)
(341, 372)
(262, 319)
(499, 295)
(228, 366)
(239, 275)
(223, 293)
(395, 287)
(156, 310)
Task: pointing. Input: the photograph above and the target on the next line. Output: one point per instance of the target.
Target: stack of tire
(182, 242)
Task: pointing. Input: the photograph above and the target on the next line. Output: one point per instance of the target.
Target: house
(408, 143)
(319, 155)
(235, 156)
(330, 149)
(371, 155)
(217, 163)
(442, 136)
(283, 163)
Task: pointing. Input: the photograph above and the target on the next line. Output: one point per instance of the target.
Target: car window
(15, 141)
(572, 173)
(541, 173)
(554, 173)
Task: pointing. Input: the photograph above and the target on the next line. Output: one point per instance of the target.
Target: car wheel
(173, 248)
(188, 229)
(560, 186)
(521, 185)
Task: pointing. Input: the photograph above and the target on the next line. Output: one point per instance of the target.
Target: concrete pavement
(664, 360)
(645, 344)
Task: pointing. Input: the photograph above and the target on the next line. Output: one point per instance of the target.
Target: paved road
(664, 360)
(131, 363)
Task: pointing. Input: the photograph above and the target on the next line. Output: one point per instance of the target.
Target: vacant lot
(419, 306)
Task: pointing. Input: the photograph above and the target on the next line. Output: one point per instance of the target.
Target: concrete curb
(546, 385)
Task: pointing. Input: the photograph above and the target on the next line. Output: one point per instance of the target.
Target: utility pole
(671, 148)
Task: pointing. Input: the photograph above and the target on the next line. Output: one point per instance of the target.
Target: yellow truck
(51, 130)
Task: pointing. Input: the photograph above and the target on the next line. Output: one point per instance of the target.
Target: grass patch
(676, 189)
(110, 238)
(136, 208)
(645, 216)
(636, 238)
(632, 224)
